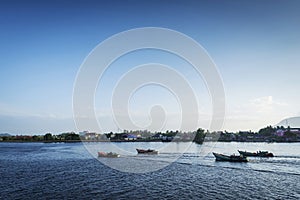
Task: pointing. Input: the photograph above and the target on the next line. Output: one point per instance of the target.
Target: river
(179, 171)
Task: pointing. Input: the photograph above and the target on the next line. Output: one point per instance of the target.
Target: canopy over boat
(257, 154)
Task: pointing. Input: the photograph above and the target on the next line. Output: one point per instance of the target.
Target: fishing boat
(257, 154)
(108, 155)
(147, 151)
(231, 158)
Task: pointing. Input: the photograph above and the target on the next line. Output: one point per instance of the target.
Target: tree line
(266, 134)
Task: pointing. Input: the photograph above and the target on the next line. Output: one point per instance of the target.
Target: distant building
(157, 136)
(295, 130)
(280, 133)
(91, 136)
(129, 137)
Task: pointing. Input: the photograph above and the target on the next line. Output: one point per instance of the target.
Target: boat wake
(288, 165)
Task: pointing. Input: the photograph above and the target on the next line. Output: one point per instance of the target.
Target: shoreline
(138, 141)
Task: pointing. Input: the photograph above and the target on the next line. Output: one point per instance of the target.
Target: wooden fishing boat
(147, 151)
(108, 155)
(231, 158)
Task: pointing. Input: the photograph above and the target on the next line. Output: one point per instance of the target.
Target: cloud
(255, 113)
(265, 103)
(260, 105)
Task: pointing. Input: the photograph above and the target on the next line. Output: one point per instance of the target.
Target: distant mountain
(4, 134)
(293, 122)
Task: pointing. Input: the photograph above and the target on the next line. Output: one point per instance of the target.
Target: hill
(4, 134)
(293, 122)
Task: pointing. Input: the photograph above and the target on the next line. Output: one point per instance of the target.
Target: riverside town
(267, 134)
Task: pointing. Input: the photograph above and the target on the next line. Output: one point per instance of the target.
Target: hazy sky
(255, 45)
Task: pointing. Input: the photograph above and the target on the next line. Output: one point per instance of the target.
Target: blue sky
(255, 45)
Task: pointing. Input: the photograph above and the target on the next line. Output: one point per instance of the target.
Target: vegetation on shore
(267, 134)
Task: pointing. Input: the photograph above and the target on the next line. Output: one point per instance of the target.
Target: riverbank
(136, 141)
(269, 134)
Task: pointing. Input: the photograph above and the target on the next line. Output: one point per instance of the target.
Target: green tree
(48, 136)
(200, 135)
(72, 136)
(269, 130)
(108, 135)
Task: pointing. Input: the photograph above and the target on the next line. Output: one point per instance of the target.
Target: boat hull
(232, 158)
(108, 155)
(146, 151)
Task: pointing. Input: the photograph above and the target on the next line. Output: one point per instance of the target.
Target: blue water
(72, 171)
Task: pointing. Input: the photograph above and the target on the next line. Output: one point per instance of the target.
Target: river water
(179, 171)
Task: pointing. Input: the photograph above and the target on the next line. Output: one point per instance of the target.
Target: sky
(254, 44)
